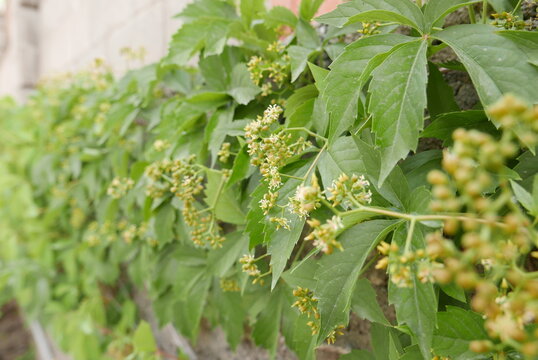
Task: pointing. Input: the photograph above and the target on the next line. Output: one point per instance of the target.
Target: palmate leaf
(397, 102)
(402, 12)
(496, 64)
(337, 273)
(210, 35)
(456, 329)
(436, 10)
(416, 306)
(341, 89)
(281, 246)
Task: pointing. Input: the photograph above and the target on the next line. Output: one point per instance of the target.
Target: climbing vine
(264, 184)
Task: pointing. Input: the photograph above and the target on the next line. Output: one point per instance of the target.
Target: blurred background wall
(46, 37)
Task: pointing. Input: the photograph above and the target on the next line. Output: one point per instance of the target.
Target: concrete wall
(46, 37)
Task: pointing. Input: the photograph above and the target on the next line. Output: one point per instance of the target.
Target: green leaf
(251, 9)
(206, 9)
(298, 59)
(143, 340)
(341, 89)
(188, 312)
(525, 198)
(280, 15)
(241, 167)
(365, 304)
(319, 73)
(163, 225)
(440, 94)
(527, 41)
(225, 204)
(403, 12)
(267, 327)
(255, 217)
(436, 10)
(301, 274)
(417, 167)
(397, 103)
(337, 273)
(309, 8)
(232, 314)
(503, 5)
(384, 342)
(299, 97)
(456, 329)
(454, 291)
(358, 355)
(242, 89)
(307, 36)
(195, 36)
(281, 245)
(496, 65)
(217, 130)
(416, 306)
(445, 124)
(350, 155)
(221, 260)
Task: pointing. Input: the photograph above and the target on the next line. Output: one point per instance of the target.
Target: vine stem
(517, 7)
(419, 3)
(409, 237)
(484, 11)
(313, 166)
(418, 217)
(311, 133)
(472, 16)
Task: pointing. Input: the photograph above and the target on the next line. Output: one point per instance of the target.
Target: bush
(258, 187)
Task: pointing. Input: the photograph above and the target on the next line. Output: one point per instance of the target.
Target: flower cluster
(183, 178)
(306, 198)
(496, 234)
(270, 151)
(274, 68)
(369, 28)
(337, 331)
(161, 145)
(224, 152)
(350, 191)
(508, 21)
(251, 269)
(324, 235)
(229, 285)
(307, 304)
(119, 187)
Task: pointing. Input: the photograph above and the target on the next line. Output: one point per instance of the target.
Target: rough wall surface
(46, 37)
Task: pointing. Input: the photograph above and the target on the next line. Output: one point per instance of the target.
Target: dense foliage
(259, 186)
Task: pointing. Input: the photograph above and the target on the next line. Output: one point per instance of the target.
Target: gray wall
(47, 37)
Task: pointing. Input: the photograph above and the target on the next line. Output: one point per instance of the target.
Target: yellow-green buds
(324, 235)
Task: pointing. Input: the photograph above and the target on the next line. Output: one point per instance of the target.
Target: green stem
(484, 11)
(313, 166)
(311, 133)
(332, 208)
(219, 191)
(517, 7)
(472, 16)
(410, 233)
(292, 177)
(419, 3)
(410, 217)
(368, 264)
(260, 257)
